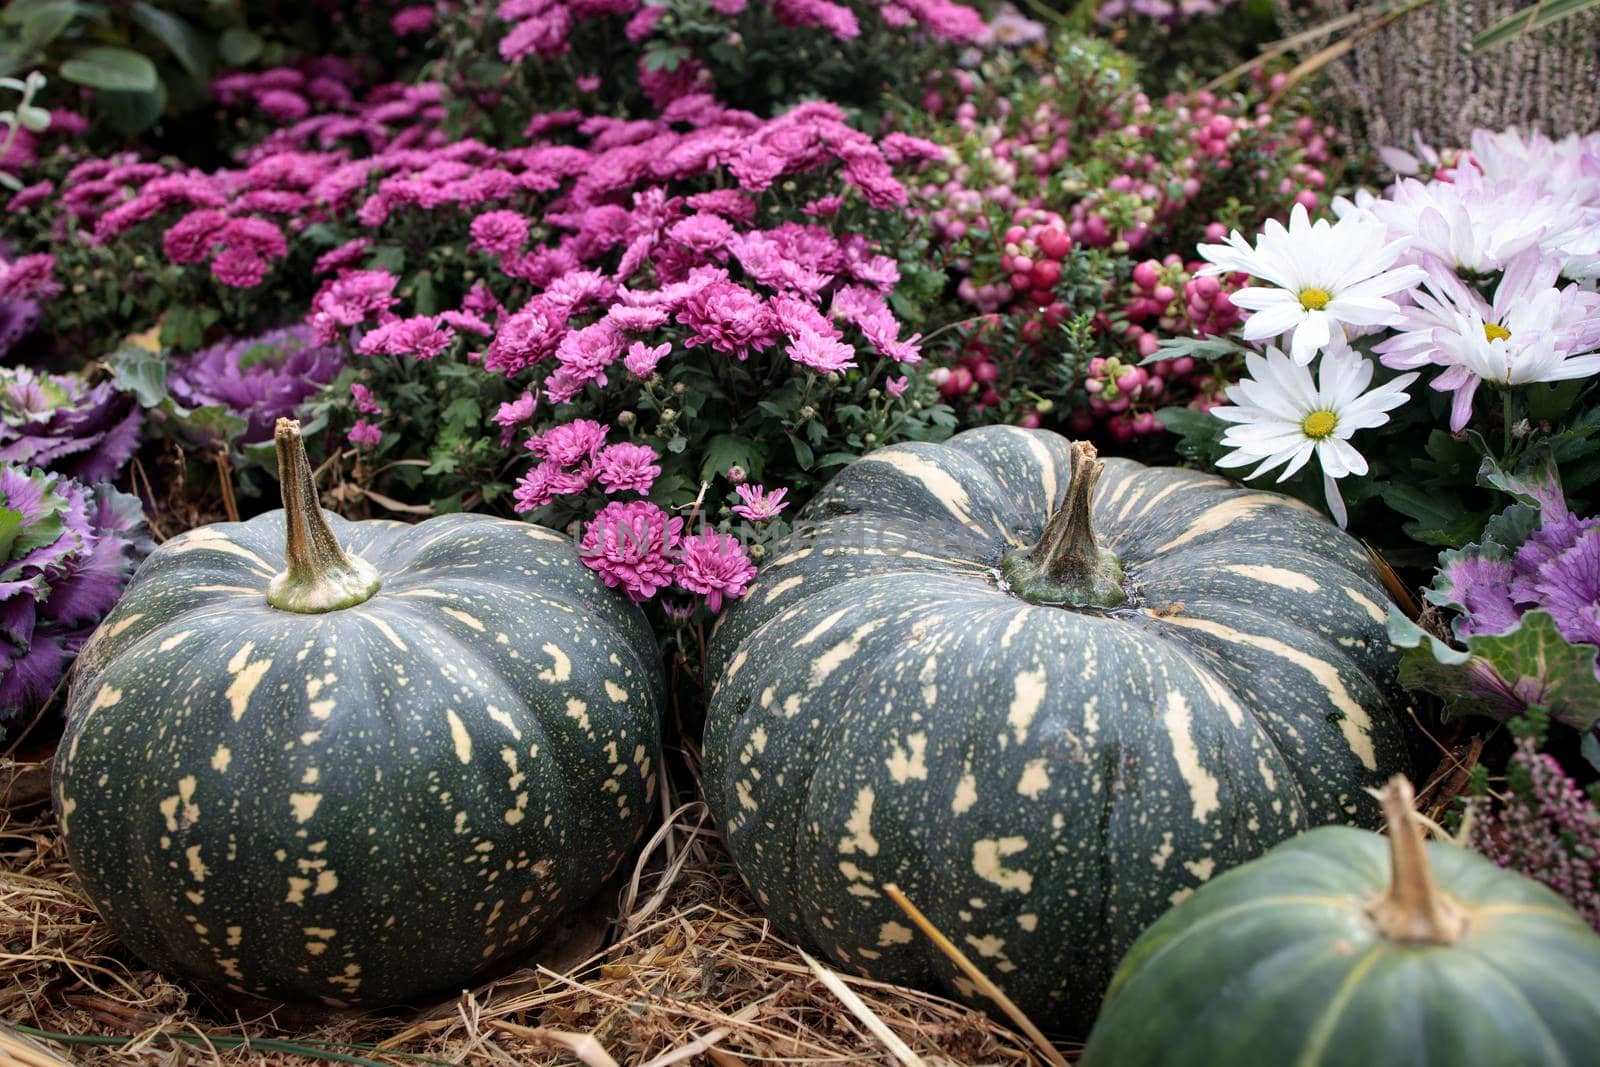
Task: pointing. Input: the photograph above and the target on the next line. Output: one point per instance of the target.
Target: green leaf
(180, 38)
(1206, 348)
(112, 68)
(1439, 518)
(10, 527)
(44, 23)
(185, 327)
(132, 113)
(725, 450)
(1502, 675)
(238, 46)
(1527, 20)
(141, 372)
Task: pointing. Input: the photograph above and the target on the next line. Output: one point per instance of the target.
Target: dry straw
(687, 971)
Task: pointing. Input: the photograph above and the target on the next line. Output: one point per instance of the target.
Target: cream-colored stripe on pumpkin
(1220, 516)
(1356, 725)
(932, 477)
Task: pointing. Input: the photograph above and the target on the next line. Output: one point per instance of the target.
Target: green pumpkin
(1045, 727)
(1327, 951)
(407, 759)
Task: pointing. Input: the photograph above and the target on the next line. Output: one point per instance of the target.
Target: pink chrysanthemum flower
(499, 233)
(573, 442)
(715, 566)
(897, 386)
(365, 402)
(239, 268)
(641, 359)
(513, 414)
(729, 318)
(760, 504)
(365, 434)
(30, 277)
(631, 546)
(335, 259)
(624, 468)
(822, 354)
(547, 481)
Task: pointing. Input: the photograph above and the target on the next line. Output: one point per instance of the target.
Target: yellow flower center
(1314, 299)
(1493, 331)
(1319, 424)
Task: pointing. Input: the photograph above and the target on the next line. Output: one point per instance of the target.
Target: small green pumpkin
(1046, 726)
(1325, 952)
(360, 762)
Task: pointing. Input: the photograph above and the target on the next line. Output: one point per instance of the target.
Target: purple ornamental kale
(66, 552)
(1556, 568)
(261, 378)
(61, 423)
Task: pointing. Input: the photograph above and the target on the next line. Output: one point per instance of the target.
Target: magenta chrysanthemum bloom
(189, 239)
(409, 20)
(729, 318)
(366, 403)
(336, 259)
(421, 336)
(262, 378)
(897, 386)
(513, 414)
(283, 105)
(822, 354)
(547, 481)
(499, 233)
(627, 468)
(631, 547)
(642, 359)
(702, 232)
(573, 442)
(350, 299)
(25, 198)
(636, 318)
(715, 566)
(585, 354)
(760, 504)
(30, 278)
(365, 434)
(239, 268)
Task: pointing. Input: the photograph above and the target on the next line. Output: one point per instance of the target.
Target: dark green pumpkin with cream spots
(1046, 723)
(414, 769)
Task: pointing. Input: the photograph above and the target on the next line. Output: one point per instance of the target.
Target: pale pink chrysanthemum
(760, 504)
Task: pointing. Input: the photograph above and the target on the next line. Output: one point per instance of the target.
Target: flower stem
(1068, 566)
(320, 576)
(1413, 908)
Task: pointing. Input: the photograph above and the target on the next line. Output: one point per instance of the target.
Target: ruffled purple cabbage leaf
(66, 552)
(61, 423)
(1525, 613)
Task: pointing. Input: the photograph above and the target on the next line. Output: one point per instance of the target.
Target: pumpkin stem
(320, 576)
(1413, 908)
(1068, 566)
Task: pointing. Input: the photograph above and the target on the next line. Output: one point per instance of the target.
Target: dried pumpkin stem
(1413, 908)
(1068, 565)
(320, 576)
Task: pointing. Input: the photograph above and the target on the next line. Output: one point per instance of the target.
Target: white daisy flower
(1281, 418)
(1325, 276)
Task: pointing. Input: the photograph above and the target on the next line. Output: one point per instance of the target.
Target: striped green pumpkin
(416, 753)
(1328, 952)
(909, 695)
